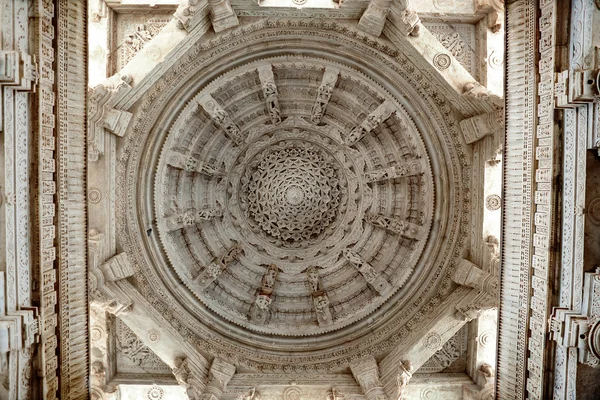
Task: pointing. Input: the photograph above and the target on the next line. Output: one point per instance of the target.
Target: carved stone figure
(383, 112)
(214, 269)
(404, 374)
(260, 312)
(268, 280)
(313, 279)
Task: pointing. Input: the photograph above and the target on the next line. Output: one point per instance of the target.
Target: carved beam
(324, 91)
(320, 299)
(223, 16)
(375, 281)
(423, 339)
(190, 164)
(381, 113)
(366, 373)
(222, 119)
(191, 217)
(267, 80)
(479, 126)
(404, 228)
(212, 272)
(260, 312)
(398, 171)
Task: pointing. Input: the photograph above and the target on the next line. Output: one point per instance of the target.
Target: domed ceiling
(293, 201)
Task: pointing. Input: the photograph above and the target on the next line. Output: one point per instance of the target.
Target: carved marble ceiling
(291, 194)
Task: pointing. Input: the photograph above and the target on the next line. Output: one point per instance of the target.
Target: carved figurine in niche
(313, 279)
(268, 279)
(321, 302)
(214, 269)
(260, 312)
(404, 374)
(318, 110)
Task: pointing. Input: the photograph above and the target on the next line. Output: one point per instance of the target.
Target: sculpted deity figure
(268, 279)
(321, 303)
(313, 279)
(404, 374)
(214, 269)
(260, 312)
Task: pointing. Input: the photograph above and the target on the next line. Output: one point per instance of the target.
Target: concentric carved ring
(248, 201)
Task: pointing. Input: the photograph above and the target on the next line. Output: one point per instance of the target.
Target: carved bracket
(494, 10)
(222, 119)
(392, 225)
(18, 70)
(476, 90)
(324, 91)
(319, 295)
(267, 80)
(399, 171)
(381, 113)
(260, 312)
(191, 217)
(479, 126)
(104, 118)
(212, 272)
(223, 16)
(191, 164)
(376, 282)
(581, 330)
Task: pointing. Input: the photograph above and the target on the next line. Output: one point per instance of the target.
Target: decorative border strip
(543, 222)
(518, 198)
(45, 140)
(72, 218)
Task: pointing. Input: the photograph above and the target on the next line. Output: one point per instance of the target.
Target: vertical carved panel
(43, 128)
(71, 173)
(518, 186)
